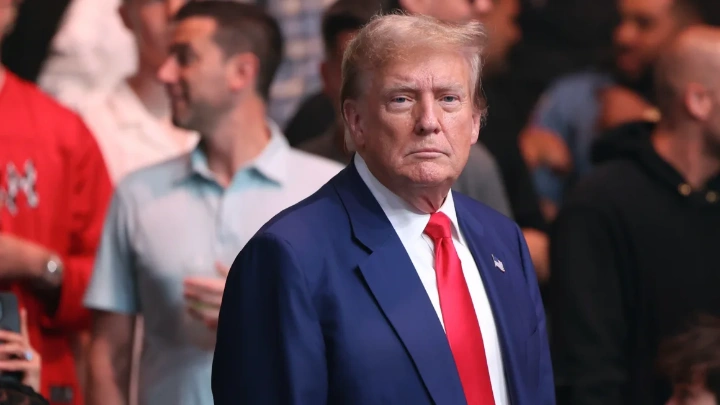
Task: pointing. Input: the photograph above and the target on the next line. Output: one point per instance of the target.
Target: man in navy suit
(385, 287)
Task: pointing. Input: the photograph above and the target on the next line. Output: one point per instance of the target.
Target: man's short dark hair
(697, 350)
(343, 16)
(14, 393)
(243, 28)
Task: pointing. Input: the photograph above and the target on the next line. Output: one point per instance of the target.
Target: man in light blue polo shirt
(174, 228)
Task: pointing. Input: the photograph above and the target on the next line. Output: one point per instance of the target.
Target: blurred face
(197, 75)
(149, 22)
(646, 28)
(695, 394)
(331, 69)
(504, 32)
(416, 123)
(8, 12)
(449, 10)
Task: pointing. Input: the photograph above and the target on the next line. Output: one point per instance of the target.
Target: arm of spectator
(589, 328)
(110, 358)
(113, 296)
(91, 191)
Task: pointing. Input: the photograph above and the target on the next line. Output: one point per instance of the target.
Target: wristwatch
(54, 270)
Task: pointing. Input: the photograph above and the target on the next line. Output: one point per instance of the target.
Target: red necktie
(461, 323)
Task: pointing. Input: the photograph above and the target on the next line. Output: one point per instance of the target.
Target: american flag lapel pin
(498, 263)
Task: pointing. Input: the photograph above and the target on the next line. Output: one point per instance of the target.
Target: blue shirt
(570, 108)
(173, 220)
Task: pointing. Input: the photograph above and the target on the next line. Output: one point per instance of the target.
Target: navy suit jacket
(324, 306)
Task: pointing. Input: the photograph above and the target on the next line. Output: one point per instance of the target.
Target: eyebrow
(409, 88)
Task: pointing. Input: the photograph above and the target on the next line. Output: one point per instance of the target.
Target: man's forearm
(109, 378)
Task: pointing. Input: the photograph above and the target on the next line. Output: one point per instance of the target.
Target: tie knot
(438, 227)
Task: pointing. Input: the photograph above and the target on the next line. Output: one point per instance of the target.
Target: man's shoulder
(32, 97)
(584, 81)
(312, 168)
(608, 186)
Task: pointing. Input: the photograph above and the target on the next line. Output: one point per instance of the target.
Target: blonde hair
(395, 37)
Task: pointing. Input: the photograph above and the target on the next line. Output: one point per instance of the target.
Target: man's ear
(243, 70)
(477, 123)
(697, 101)
(355, 122)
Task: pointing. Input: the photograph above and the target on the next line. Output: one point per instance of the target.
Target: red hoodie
(55, 190)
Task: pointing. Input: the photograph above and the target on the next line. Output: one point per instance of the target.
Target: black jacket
(634, 254)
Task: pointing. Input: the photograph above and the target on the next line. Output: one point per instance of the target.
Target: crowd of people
(216, 202)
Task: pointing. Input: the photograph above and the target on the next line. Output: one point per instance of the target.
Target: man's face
(196, 75)
(504, 32)
(691, 394)
(8, 12)
(149, 22)
(416, 122)
(450, 10)
(646, 28)
(331, 68)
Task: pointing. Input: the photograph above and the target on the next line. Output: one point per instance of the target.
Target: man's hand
(21, 259)
(544, 148)
(621, 106)
(204, 296)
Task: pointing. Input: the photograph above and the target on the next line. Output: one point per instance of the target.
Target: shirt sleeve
(589, 328)
(113, 287)
(553, 112)
(90, 191)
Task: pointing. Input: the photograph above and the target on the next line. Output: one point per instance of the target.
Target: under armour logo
(498, 263)
(15, 183)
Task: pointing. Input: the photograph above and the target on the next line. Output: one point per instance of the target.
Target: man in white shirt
(132, 122)
(174, 228)
(385, 287)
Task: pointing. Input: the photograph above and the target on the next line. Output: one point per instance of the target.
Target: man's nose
(427, 118)
(168, 71)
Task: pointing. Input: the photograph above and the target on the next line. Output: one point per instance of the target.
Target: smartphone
(9, 312)
(10, 321)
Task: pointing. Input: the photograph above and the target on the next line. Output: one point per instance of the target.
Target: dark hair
(243, 28)
(697, 350)
(346, 15)
(14, 393)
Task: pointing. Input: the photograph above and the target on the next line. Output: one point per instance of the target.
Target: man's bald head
(687, 79)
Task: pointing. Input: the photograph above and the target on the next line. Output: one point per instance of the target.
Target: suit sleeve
(270, 348)
(546, 386)
(89, 196)
(589, 330)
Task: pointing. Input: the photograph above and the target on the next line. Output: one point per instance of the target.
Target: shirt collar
(271, 163)
(409, 223)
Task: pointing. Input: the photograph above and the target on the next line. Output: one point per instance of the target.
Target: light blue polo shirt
(173, 220)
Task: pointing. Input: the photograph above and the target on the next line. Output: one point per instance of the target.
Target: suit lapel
(393, 282)
(500, 287)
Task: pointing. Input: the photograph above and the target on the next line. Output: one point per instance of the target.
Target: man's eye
(449, 99)
(399, 99)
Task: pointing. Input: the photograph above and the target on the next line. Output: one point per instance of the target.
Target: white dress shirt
(129, 136)
(410, 226)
